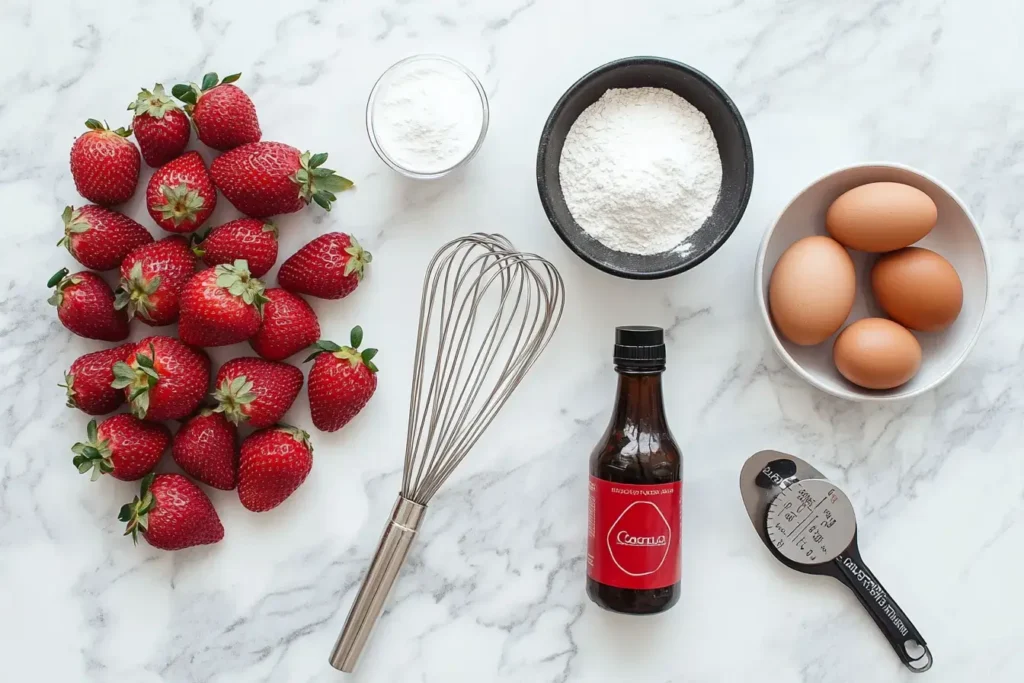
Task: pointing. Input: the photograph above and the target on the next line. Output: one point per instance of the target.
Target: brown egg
(918, 289)
(811, 290)
(880, 217)
(876, 353)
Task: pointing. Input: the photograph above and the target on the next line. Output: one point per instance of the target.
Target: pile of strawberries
(164, 378)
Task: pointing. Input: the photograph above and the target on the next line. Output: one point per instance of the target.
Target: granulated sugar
(640, 170)
(428, 115)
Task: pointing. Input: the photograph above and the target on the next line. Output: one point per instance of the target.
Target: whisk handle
(369, 603)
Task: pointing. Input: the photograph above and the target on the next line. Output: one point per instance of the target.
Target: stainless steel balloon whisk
(486, 313)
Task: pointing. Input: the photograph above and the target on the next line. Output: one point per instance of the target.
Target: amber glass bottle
(633, 548)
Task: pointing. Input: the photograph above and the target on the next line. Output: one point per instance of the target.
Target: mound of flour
(640, 170)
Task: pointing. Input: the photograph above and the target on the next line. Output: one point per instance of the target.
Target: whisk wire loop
(486, 313)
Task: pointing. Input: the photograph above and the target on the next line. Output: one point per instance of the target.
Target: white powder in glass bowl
(427, 114)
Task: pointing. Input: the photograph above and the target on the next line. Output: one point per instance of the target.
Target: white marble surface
(494, 590)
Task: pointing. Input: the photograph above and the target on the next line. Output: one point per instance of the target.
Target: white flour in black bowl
(640, 170)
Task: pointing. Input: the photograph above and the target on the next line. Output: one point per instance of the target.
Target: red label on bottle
(633, 539)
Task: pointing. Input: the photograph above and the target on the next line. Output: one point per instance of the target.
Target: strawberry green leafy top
(61, 281)
(190, 94)
(155, 103)
(136, 513)
(141, 378)
(93, 454)
(232, 395)
(317, 183)
(239, 282)
(350, 353)
(181, 203)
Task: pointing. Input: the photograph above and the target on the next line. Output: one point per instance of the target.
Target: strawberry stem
(182, 203)
(103, 127)
(189, 93)
(135, 291)
(57, 277)
(349, 353)
(69, 386)
(239, 282)
(300, 435)
(140, 377)
(316, 183)
(156, 103)
(73, 225)
(93, 454)
(136, 513)
(359, 258)
(195, 241)
(61, 281)
(232, 396)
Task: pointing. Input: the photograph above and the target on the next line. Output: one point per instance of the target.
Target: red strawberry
(99, 238)
(104, 164)
(85, 305)
(341, 382)
(264, 179)
(151, 280)
(224, 115)
(171, 513)
(163, 378)
(161, 128)
(122, 446)
(180, 195)
(88, 381)
(255, 391)
(289, 325)
(329, 267)
(206, 447)
(249, 239)
(221, 306)
(273, 463)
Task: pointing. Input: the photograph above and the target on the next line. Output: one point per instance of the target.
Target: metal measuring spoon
(810, 526)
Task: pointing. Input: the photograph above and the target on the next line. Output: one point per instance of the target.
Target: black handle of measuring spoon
(890, 618)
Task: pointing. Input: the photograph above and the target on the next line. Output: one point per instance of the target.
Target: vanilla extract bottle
(633, 544)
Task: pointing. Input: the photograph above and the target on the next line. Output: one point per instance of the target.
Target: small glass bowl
(484, 118)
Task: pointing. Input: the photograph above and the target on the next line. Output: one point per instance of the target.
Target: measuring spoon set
(808, 524)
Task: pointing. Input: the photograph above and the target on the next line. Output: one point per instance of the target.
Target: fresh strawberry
(264, 179)
(151, 280)
(289, 325)
(88, 381)
(171, 513)
(180, 195)
(273, 463)
(255, 391)
(161, 127)
(163, 378)
(104, 165)
(223, 114)
(329, 267)
(85, 305)
(341, 382)
(221, 306)
(206, 448)
(249, 239)
(99, 238)
(122, 446)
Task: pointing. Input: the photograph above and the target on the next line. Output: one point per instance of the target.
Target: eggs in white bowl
(955, 238)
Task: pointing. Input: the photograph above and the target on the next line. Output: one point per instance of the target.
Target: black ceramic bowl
(733, 148)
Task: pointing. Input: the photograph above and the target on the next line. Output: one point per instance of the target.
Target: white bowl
(956, 237)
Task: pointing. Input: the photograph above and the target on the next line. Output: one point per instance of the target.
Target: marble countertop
(494, 588)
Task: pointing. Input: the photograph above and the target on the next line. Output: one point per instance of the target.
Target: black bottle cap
(640, 347)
